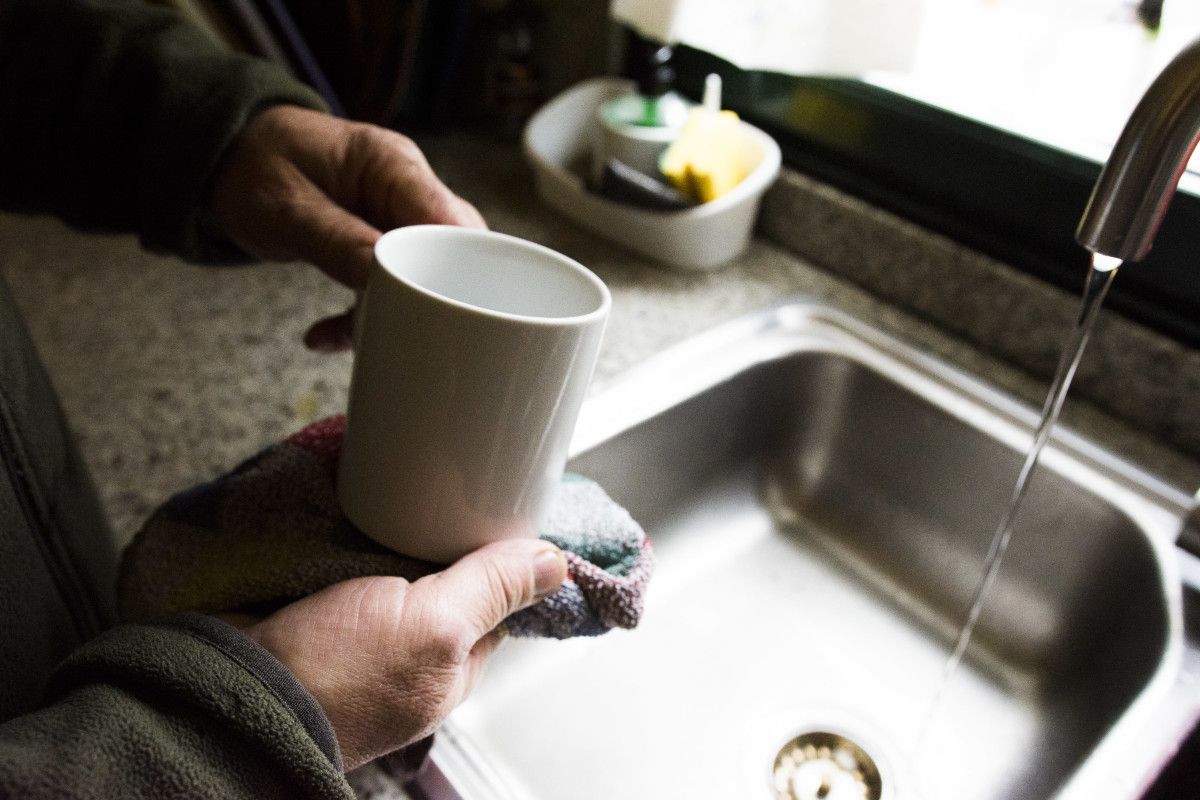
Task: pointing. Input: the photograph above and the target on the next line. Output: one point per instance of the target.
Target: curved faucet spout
(1139, 180)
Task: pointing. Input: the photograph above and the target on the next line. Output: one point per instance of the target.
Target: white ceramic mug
(473, 354)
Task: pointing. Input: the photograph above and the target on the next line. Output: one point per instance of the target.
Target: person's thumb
(500, 579)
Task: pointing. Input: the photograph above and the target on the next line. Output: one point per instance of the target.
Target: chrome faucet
(1137, 184)
(1139, 180)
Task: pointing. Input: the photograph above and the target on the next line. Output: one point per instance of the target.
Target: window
(1066, 73)
(996, 135)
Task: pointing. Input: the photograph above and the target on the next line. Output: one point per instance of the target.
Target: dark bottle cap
(650, 66)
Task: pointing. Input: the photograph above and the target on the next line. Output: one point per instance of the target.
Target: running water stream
(1100, 277)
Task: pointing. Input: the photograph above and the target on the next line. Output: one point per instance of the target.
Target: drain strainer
(821, 765)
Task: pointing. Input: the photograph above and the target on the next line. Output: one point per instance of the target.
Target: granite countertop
(172, 373)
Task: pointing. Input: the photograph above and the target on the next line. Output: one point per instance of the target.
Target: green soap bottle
(637, 127)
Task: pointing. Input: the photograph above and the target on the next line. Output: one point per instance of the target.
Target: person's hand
(299, 184)
(388, 659)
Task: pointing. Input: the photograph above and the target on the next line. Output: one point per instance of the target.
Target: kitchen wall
(578, 41)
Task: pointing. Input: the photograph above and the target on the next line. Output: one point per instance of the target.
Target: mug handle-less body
(474, 351)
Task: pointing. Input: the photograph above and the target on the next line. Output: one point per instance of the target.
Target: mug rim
(455, 231)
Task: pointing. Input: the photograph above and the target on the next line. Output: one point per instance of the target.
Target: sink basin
(821, 498)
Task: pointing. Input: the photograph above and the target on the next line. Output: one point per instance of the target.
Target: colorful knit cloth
(271, 532)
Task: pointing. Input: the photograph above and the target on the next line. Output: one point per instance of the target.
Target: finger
(332, 334)
(466, 215)
(337, 242)
(498, 580)
(404, 189)
(422, 199)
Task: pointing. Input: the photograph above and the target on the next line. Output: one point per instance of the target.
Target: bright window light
(1063, 72)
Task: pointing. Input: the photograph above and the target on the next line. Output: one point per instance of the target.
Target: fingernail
(549, 571)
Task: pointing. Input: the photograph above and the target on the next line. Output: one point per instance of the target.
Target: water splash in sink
(1099, 278)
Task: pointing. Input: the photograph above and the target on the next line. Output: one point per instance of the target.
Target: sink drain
(822, 765)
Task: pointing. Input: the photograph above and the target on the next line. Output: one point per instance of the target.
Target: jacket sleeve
(189, 709)
(114, 114)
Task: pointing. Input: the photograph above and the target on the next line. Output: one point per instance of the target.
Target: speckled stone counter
(172, 373)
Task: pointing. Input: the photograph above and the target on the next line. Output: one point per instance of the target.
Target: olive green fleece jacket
(115, 115)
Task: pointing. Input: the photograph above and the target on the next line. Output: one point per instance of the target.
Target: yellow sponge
(711, 156)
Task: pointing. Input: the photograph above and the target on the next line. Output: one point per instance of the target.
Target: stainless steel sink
(821, 497)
